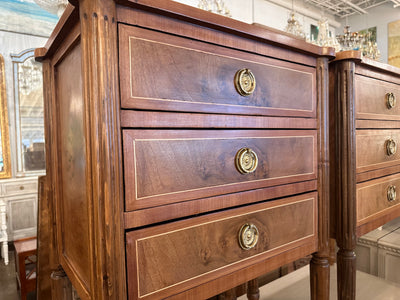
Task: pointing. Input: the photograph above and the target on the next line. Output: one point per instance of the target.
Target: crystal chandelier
(215, 6)
(369, 48)
(349, 40)
(55, 7)
(325, 38)
(294, 27)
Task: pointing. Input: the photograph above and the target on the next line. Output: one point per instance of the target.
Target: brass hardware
(245, 82)
(390, 100)
(248, 236)
(391, 193)
(246, 160)
(21, 187)
(391, 147)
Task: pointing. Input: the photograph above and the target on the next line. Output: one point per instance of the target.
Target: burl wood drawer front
(377, 149)
(376, 99)
(377, 197)
(167, 259)
(165, 72)
(167, 166)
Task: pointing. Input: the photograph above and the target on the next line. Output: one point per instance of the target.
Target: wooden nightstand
(365, 161)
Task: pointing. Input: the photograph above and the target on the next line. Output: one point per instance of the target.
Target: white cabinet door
(21, 216)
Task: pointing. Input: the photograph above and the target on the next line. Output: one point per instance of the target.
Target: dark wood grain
(73, 206)
(371, 149)
(253, 292)
(84, 126)
(375, 124)
(155, 119)
(48, 258)
(372, 198)
(202, 248)
(319, 265)
(208, 289)
(194, 76)
(344, 176)
(163, 167)
(371, 99)
(361, 177)
(215, 21)
(44, 239)
(68, 19)
(357, 92)
(102, 106)
(142, 217)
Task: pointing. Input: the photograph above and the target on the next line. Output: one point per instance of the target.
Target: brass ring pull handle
(391, 193)
(391, 147)
(390, 100)
(248, 236)
(246, 160)
(245, 82)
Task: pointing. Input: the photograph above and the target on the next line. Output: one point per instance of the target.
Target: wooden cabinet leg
(253, 292)
(346, 274)
(319, 277)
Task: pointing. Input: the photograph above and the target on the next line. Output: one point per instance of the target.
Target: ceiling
(344, 8)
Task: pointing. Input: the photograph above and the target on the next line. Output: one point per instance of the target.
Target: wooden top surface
(357, 57)
(25, 245)
(191, 15)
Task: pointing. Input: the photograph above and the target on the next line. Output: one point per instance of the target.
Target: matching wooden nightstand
(365, 164)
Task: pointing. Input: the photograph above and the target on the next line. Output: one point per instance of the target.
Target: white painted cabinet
(20, 198)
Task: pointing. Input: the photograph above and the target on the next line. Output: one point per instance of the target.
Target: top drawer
(376, 99)
(11, 188)
(165, 72)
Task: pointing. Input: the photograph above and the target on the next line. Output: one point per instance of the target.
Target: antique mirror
(5, 165)
(29, 124)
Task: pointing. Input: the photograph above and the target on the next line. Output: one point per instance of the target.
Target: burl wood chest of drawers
(188, 151)
(365, 161)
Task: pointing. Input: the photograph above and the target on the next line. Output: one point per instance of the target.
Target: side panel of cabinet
(73, 203)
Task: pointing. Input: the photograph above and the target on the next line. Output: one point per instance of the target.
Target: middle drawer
(167, 166)
(377, 149)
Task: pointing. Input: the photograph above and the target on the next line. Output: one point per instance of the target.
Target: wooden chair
(25, 265)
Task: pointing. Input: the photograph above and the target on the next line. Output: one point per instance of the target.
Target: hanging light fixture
(55, 7)
(325, 38)
(293, 26)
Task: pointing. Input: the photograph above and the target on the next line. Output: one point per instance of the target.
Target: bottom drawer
(170, 258)
(378, 197)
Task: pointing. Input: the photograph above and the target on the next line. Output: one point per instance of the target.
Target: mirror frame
(5, 139)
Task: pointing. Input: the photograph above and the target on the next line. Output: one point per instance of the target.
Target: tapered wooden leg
(319, 277)
(253, 292)
(346, 274)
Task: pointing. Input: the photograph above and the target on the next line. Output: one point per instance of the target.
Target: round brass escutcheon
(245, 82)
(248, 236)
(391, 147)
(390, 100)
(246, 160)
(391, 193)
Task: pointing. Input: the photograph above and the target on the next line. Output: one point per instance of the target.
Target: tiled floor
(8, 282)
